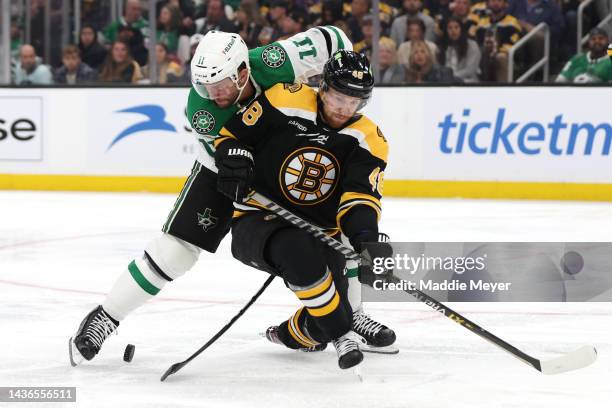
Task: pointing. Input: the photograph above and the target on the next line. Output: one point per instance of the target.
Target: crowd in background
(420, 41)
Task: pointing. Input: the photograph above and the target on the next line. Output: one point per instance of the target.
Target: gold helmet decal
(309, 175)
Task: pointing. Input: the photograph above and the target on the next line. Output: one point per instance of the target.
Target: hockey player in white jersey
(225, 76)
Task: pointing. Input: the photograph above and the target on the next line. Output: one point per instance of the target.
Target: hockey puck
(128, 354)
(572, 263)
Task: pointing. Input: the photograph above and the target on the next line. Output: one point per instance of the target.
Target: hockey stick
(177, 366)
(574, 360)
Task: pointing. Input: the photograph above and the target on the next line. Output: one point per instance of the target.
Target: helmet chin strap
(240, 88)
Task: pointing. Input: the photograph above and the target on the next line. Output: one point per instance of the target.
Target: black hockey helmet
(350, 74)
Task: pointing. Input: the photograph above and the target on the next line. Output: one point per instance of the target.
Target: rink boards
(483, 142)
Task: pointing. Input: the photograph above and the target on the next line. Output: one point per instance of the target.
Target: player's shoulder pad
(293, 100)
(370, 137)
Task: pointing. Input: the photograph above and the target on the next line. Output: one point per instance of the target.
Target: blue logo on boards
(156, 121)
(556, 136)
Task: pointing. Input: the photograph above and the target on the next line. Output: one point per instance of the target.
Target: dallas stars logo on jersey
(206, 219)
(273, 56)
(308, 175)
(203, 121)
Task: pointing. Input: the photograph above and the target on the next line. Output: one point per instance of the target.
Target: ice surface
(60, 252)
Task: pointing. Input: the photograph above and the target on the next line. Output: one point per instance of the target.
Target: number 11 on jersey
(306, 42)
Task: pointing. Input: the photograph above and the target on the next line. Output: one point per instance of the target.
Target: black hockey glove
(375, 252)
(236, 168)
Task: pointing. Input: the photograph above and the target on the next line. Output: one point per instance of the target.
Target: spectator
(193, 41)
(134, 39)
(496, 32)
(416, 32)
(390, 71)
(73, 71)
(92, 52)
(386, 14)
(30, 71)
(359, 9)
(188, 11)
(96, 13)
(365, 46)
(569, 9)
(458, 52)
(167, 27)
(132, 18)
(438, 9)
(37, 25)
(530, 13)
(250, 22)
(592, 67)
(15, 34)
(479, 9)
(279, 9)
(120, 66)
(412, 9)
(341, 24)
(185, 7)
(295, 22)
(459, 9)
(331, 13)
(215, 19)
(423, 69)
(168, 71)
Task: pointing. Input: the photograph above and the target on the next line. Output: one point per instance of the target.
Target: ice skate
(272, 335)
(348, 351)
(374, 333)
(93, 331)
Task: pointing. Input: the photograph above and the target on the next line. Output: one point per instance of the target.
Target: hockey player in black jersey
(314, 154)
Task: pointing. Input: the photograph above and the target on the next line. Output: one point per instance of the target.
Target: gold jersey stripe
(327, 309)
(343, 212)
(322, 299)
(296, 333)
(315, 291)
(361, 196)
(350, 199)
(221, 139)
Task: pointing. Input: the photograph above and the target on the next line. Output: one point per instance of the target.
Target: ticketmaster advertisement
(490, 272)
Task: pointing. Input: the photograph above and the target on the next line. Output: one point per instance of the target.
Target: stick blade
(574, 360)
(173, 369)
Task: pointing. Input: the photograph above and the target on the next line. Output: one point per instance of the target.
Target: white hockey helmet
(218, 56)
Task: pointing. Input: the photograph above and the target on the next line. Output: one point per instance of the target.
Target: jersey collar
(595, 61)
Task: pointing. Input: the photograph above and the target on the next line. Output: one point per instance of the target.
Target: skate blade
(366, 348)
(75, 356)
(357, 372)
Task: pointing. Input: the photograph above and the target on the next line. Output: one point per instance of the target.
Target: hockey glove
(236, 169)
(375, 250)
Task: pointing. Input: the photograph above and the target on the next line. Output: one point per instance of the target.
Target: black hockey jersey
(304, 166)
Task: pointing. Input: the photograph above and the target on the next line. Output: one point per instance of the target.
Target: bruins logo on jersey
(293, 88)
(203, 121)
(380, 134)
(309, 175)
(273, 56)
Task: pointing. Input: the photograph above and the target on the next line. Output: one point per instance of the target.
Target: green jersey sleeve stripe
(338, 37)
